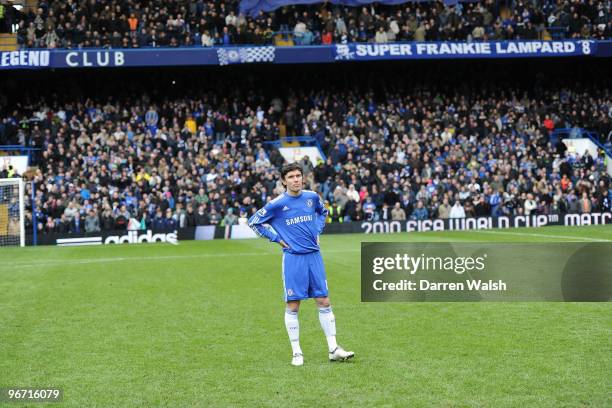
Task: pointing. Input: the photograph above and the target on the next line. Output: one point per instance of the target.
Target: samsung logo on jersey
(296, 220)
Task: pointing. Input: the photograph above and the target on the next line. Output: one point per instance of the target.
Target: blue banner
(102, 58)
(304, 54)
(491, 49)
(604, 49)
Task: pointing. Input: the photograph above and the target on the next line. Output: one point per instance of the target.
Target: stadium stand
(181, 149)
(174, 23)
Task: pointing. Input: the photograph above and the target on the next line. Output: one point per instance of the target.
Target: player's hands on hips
(283, 244)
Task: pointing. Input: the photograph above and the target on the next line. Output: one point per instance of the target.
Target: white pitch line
(88, 261)
(80, 244)
(534, 234)
(131, 258)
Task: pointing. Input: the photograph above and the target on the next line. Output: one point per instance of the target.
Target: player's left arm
(322, 212)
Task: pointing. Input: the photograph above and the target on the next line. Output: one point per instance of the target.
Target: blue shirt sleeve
(322, 211)
(263, 216)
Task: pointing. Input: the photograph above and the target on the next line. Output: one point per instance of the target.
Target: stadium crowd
(394, 151)
(174, 23)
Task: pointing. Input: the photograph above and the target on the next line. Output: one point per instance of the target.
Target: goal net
(12, 228)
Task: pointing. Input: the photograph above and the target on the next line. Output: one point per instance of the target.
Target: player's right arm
(261, 217)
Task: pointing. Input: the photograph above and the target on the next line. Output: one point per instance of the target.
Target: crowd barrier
(210, 232)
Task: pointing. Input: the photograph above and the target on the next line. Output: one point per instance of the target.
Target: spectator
(457, 211)
(326, 38)
(169, 223)
(202, 217)
(336, 213)
(444, 209)
(369, 210)
(530, 205)
(381, 36)
(71, 211)
(190, 217)
(243, 219)
(92, 223)
(420, 212)
(398, 213)
(230, 218)
(107, 220)
(49, 226)
(63, 226)
(158, 221)
(352, 194)
(585, 204)
(482, 207)
(76, 224)
(214, 216)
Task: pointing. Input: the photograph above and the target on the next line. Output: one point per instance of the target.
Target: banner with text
(207, 232)
(487, 49)
(197, 56)
(465, 224)
(480, 272)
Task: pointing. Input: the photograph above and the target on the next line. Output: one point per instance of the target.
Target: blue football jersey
(296, 220)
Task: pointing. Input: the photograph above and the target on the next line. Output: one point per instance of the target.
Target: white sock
(293, 329)
(328, 324)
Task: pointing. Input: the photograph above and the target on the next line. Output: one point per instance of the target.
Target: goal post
(12, 212)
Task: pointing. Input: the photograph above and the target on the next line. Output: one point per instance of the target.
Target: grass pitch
(201, 324)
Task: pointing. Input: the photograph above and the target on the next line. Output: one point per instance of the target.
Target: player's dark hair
(291, 167)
